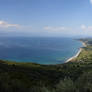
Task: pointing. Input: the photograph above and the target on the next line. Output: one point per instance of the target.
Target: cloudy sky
(46, 18)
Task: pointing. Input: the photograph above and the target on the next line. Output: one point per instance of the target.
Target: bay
(42, 50)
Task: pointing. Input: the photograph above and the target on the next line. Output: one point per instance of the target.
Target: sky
(48, 18)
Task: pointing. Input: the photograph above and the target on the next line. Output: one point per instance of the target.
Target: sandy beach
(70, 59)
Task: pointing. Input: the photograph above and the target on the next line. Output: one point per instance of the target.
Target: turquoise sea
(40, 50)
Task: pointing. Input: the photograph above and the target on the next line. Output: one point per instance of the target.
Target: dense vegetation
(29, 77)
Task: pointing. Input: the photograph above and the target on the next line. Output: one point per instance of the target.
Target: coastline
(76, 55)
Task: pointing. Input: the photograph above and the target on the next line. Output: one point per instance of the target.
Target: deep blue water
(38, 50)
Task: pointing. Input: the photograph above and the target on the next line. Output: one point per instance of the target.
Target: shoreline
(76, 55)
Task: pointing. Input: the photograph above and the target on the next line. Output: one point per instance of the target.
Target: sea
(41, 50)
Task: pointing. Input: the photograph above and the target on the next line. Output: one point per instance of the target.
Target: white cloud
(91, 1)
(87, 28)
(83, 27)
(4, 24)
(90, 27)
(49, 28)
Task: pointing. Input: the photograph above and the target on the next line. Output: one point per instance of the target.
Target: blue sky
(46, 18)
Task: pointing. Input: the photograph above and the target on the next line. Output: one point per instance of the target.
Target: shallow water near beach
(38, 50)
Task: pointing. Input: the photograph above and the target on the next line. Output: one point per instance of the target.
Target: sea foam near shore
(78, 53)
(70, 59)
